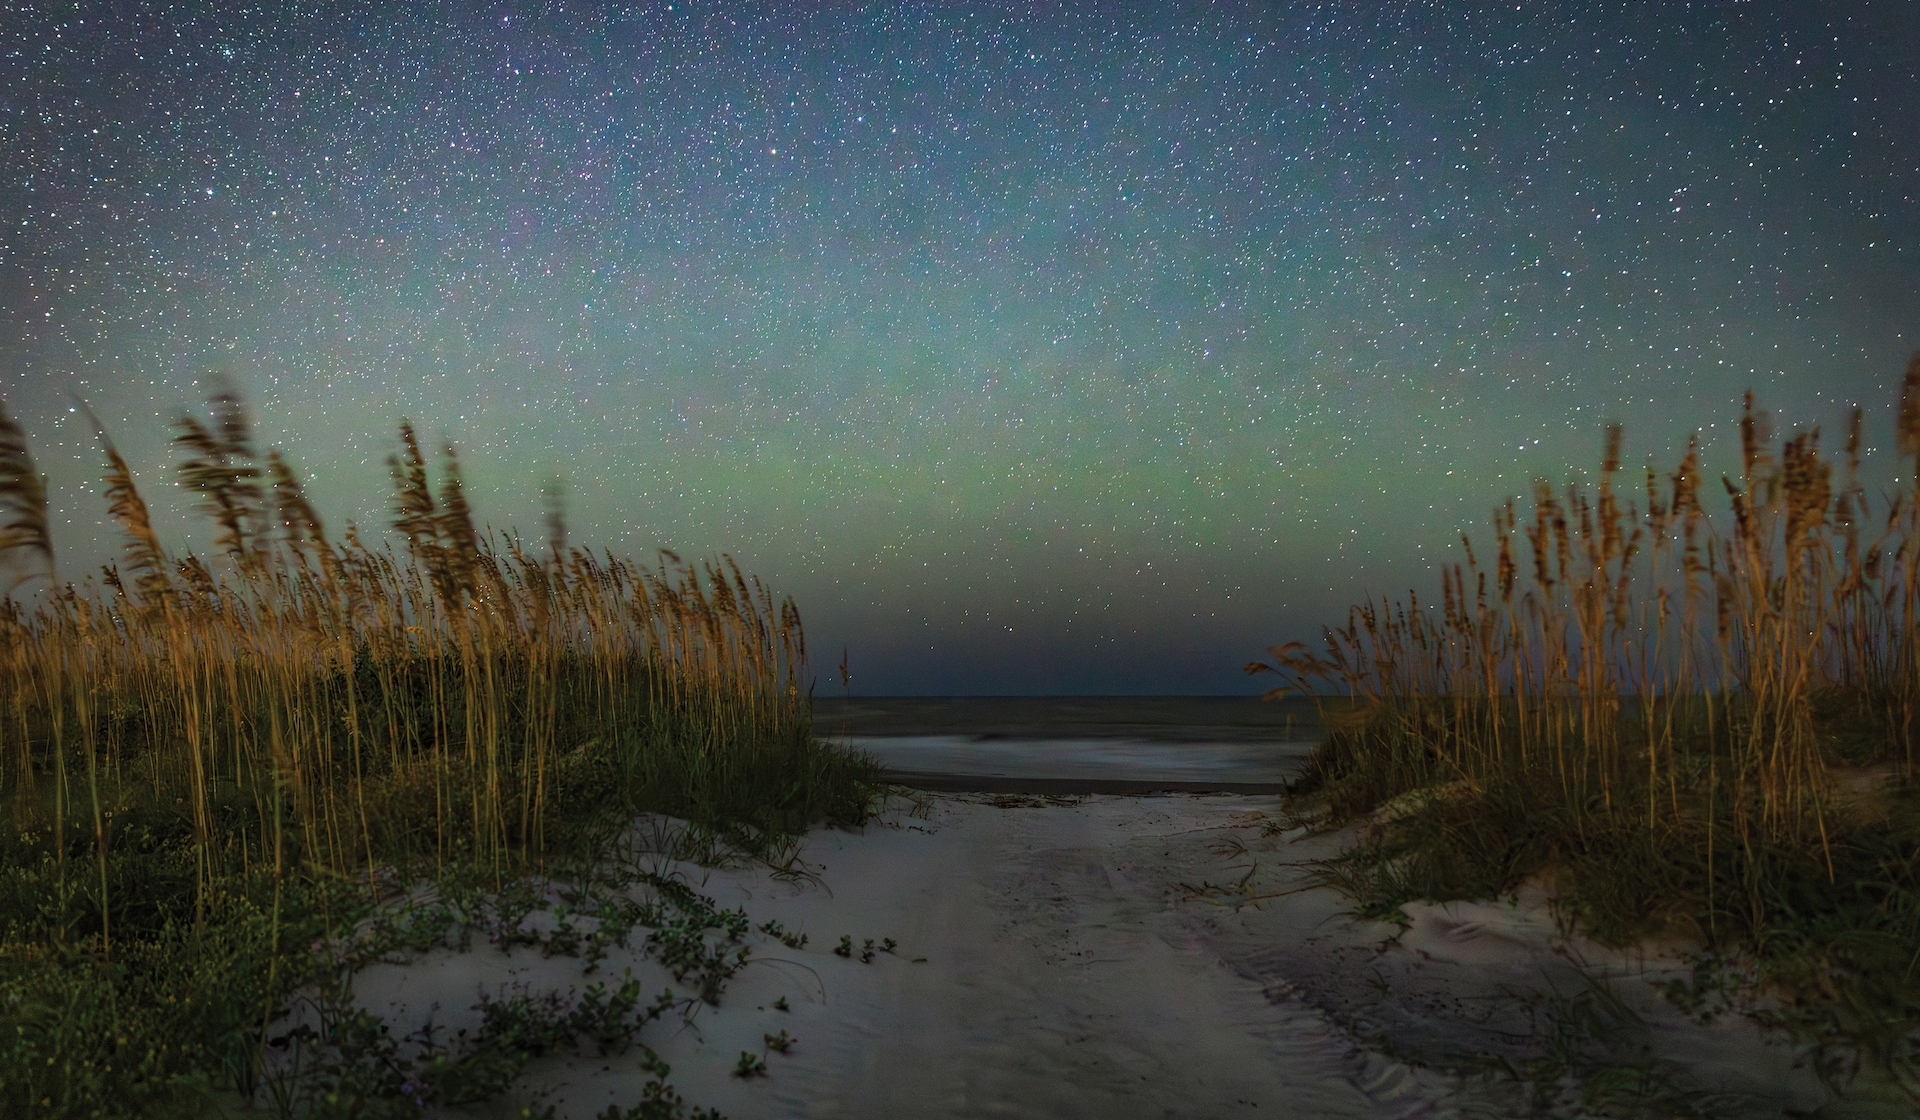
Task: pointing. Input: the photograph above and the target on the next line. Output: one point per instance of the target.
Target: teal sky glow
(1031, 348)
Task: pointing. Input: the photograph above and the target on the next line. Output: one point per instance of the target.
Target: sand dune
(1111, 957)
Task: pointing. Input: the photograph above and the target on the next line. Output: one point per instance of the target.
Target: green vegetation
(1691, 727)
(213, 773)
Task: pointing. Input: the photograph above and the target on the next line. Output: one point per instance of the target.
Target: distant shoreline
(1163, 718)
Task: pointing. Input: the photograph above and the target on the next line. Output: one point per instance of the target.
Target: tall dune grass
(1696, 724)
(199, 757)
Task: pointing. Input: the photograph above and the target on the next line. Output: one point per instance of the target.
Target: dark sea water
(1077, 744)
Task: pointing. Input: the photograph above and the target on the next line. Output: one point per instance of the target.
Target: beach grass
(212, 768)
(1692, 715)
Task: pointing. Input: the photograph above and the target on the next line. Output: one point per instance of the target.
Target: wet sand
(1166, 719)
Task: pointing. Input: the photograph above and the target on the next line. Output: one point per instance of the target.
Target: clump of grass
(1695, 726)
(208, 766)
(336, 1059)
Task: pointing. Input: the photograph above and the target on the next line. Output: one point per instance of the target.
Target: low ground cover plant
(212, 769)
(1694, 717)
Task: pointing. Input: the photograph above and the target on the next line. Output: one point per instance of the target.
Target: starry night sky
(1032, 348)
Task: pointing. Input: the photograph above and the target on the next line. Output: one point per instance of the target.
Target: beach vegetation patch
(1693, 712)
(218, 773)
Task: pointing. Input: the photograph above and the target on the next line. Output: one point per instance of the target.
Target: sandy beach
(1127, 956)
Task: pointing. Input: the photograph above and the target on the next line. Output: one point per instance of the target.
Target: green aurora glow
(1059, 348)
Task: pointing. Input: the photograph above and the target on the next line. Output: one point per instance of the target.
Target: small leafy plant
(789, 938)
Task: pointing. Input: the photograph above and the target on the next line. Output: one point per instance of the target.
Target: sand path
(1049, 964)
(1104, 956)
(1060, 979)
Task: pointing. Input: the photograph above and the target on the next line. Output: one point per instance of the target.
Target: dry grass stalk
(23, 503)
(1510, 684)
(337, 705)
